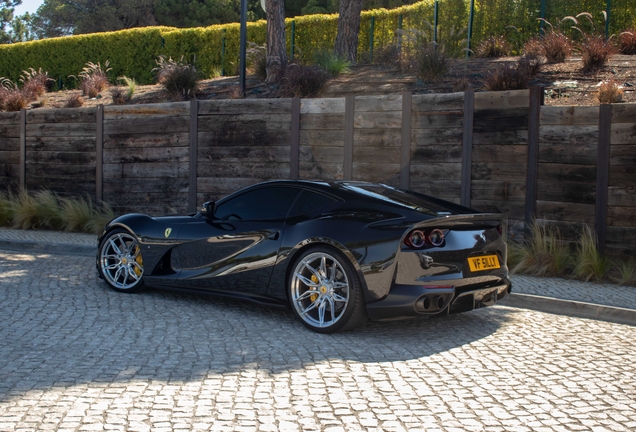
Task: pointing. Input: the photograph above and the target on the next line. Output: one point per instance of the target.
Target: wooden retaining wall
(497, 151)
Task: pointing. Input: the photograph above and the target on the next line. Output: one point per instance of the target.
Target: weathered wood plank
(489, 123)
(245, 154)
(623, 113)
(624, 133)
(62, 184)
(56, 158)
(442, 120)
(321, 170)
(446, 136)
(152, 124)
(572, 135)
(169, 185)
(571, 212)
(583, 174)
(499, 153)
(498, 190)
(621, 239)
(377, 155)
(377, 172)
(567, 192)
(566, 153)
(62, 115)
(66, 144)
(266, 170)
(379, 103)
(502, 99)
(222, 186)
(501, 113)
(9, 131)
(243, 106)
(621, 196)
(501, 137)
(322, 106)
(438, 102)
(67, 171)
(117, 112)
(322, 154)
(61, 130)
(569, 115)
(243, 137)
(444, 152)
(621, 216)
(9, 118)
(513, 209)
(226, 123)
(9, 157)
(376, 138)
(136, 170)
(319, 137)
(499, 171)
(438, 188)
(322, 121)
(622, 176)
(10, 144)
(435, 171)
(146, 155)
(148, 140)
(378, 120)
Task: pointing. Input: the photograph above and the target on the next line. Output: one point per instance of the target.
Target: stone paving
(77, 356)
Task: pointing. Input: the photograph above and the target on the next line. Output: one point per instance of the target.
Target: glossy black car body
(399, 253)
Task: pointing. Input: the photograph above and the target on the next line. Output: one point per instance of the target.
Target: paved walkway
(569, 297)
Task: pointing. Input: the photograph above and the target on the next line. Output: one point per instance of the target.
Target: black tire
(325, 291)
(119, 261)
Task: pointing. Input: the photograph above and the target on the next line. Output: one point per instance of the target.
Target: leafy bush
(595, 51)
(179, 78)
(13, 98)
(35, 83)
(627, 42)
(430, 63)
(610, 92)
(331, 64)
(302, 81)
(493, 46)
(556, 47)
(514, 76)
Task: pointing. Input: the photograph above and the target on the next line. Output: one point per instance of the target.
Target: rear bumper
(406, 301)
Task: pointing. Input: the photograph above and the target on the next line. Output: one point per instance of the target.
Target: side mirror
(207, 210)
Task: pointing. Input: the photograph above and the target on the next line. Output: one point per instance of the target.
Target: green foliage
(332, 64)
(7, 7)
(625, 272)
(195, 13)
(493, 46)
(6, 208)
(93, 78)
(257, 60)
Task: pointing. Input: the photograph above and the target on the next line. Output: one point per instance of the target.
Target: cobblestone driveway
(75, 355)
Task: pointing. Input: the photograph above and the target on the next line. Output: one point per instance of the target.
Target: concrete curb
(572, 308)
(57, 248)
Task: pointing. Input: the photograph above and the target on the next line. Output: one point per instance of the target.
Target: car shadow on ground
(67, 331)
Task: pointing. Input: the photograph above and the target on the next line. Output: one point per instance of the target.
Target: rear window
(401, 198)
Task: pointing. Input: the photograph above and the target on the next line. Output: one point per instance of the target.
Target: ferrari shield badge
(168, 231)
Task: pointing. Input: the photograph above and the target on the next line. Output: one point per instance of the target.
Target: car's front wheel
(325, 291)
(120, 261)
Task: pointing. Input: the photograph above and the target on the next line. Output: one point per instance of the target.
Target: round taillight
(416, 239)
(436, 237)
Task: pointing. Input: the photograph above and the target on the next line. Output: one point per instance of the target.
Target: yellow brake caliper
(313, 297)
(140, 261)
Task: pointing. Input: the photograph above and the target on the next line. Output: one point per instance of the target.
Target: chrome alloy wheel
(320, 290)
(120, 261)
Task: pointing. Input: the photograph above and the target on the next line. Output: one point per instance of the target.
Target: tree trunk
(276, 60)
(348, 29)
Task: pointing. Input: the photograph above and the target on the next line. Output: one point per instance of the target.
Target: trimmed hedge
(133, 52)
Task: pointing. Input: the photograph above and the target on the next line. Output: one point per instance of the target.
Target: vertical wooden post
(467, 146)
(532, 170)
(347, 168)
(602, 174)
(23, 148)
(193, 155)
(99, 154)
(405, 149)
(294, 150)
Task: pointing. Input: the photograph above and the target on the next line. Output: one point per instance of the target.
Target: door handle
(273, 236)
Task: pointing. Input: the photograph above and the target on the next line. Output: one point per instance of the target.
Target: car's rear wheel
(325, 292)
(120, 261)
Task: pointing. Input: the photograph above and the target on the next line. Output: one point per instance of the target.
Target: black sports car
(336, 252)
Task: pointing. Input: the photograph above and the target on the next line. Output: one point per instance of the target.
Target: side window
(309, 201)
(258, 204)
